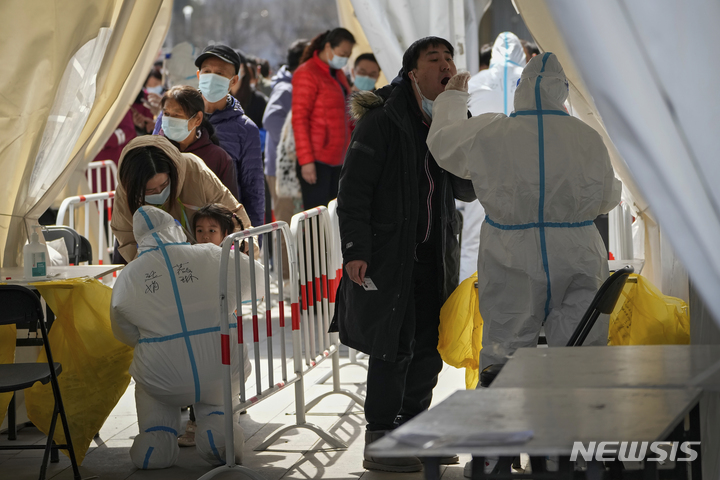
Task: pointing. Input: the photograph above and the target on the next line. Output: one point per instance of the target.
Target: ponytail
(334, 37)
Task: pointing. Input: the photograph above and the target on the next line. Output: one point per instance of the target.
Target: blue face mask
(426, 104)
(337, 62)
(364, 83)
(156, 90)
(213, 87)
(158, 198)
(175, 128)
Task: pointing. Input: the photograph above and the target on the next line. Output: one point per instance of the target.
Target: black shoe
(388, 464)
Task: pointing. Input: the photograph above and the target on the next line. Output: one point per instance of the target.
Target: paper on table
(485, 439)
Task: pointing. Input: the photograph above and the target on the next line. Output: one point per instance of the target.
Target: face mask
(156, 90)
(337, 62)
(213, 87)
(175, 128)
(426, 104)
(158, 198)
(364, 83)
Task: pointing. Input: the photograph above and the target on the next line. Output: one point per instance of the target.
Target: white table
(557, 417)
(646, 366)
(16, 275)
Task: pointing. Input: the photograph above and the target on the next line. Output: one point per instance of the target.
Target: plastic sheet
(460, 332)
(94, 364)
(644, 316)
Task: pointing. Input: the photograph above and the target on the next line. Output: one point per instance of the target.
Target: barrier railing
(337, 264)
(104, 239)
(263, 390)
(312, 233)
(99, 171)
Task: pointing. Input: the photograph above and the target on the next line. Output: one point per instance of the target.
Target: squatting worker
(399, 229)
(542, 177)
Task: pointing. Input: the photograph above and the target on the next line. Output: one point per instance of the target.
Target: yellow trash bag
(94, 364)
(644, 316)
(461, 331)
(8, 334)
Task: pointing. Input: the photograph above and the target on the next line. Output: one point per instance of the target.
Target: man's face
(367, 68)
(435, 66)
(219, 67)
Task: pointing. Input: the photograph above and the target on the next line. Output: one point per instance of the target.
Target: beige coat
(197, 187)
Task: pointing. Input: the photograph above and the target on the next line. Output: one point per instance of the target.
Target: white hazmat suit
(542, 177)
(491, 90)
(165, 304)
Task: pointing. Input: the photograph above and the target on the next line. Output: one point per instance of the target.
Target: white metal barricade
(280, 231)
(313, 238)
(99, 171)
(104, 239)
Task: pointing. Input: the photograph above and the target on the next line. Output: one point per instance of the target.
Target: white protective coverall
(165, 304)
(542, 177)
(491, 90)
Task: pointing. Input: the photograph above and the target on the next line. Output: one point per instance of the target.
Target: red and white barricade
(312, 233)
(102, 176)
(103, 202)
(280, 231)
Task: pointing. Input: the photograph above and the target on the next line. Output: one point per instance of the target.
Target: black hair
(530, 47)
(228, 221)
(334, 37)
(367, 56)
(153, 74)
(191, 101)
(295, 52)
(139, 166)
(485, 54)
(243, 91)
(264, 67)
(412, 54)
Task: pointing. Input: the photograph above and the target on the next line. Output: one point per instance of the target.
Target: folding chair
(603, 302)
(78, 247)
(22, 307)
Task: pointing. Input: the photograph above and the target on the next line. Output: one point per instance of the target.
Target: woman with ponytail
(319, 115)
(184, 123)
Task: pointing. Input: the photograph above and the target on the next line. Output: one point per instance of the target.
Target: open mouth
(445, 80)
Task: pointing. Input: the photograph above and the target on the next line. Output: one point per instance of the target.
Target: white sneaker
(490, 463)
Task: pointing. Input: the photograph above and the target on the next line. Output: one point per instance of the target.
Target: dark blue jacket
(240, 137)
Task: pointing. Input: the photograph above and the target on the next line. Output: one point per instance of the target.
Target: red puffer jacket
(319, 115)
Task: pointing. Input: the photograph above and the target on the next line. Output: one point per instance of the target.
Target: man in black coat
(399, 227)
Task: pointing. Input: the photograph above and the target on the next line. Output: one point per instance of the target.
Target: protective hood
(543, 77)
(507, 50)
(151, 224)
(283, 75)
(168, 148)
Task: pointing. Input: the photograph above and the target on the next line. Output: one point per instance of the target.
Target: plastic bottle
(35, 257)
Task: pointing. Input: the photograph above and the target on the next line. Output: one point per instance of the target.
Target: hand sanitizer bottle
(35, 257)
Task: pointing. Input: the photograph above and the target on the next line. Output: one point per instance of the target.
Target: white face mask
(158, 198)
(426, 103)
(337, 62)
(157, 90)
(176, 129)
(213, 87)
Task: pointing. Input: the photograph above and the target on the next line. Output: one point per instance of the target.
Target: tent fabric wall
(348, 20)
(45, 35)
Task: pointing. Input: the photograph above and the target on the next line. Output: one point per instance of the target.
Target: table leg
(431, 465)
(12, 419)
(478, 468)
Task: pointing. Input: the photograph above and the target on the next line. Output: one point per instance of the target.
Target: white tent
(71, 69)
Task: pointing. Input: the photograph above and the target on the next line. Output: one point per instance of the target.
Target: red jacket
(319, 115)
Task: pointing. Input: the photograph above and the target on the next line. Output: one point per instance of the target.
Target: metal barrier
(337, 265)
(280, 231)
(95, 173)
(312, 233)
(68, 205)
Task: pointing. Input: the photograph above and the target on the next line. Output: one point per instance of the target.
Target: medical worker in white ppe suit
(542, 177)
(491, 90)
(165, 304)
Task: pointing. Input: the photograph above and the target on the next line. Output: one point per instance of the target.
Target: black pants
(324, 190)
(404, 388)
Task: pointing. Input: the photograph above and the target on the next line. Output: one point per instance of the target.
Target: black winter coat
(378, 206)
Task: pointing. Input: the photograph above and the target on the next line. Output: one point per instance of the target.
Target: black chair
(22, 307)
(78, 247)
(604, 302)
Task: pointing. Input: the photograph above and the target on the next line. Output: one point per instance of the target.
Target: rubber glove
(459, 82)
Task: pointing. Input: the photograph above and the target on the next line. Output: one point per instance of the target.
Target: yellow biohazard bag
(460, 331)
(94, 364)
(644, 316)
(8, 333)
